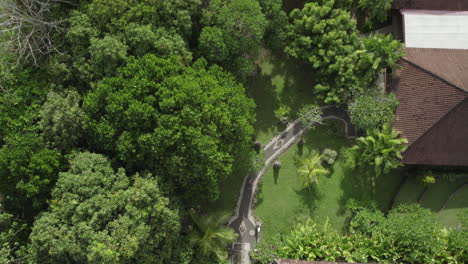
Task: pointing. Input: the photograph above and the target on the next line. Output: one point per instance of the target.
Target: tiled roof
(431, 114)
(443, 5)
(446, 143)
(449, 64)
(423, 100)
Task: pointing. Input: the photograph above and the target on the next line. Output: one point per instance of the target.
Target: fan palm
(212, 236)
(380, 149)
(311, 170)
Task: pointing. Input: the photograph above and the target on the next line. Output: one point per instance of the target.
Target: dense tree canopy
(326, 38)
(62, 120)
(102, 34)
(98, 215)
(183, 123)
(28, 171)
(232, 33)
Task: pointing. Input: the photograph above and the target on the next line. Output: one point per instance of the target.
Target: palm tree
(212, 236)
(380, 149)
(311, 170)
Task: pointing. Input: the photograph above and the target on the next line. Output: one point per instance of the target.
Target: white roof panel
(436, 29)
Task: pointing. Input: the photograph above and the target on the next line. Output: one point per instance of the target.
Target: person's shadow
(276, 174)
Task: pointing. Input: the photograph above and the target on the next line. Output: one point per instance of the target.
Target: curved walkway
(243, 222)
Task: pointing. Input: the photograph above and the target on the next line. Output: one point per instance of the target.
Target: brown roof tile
(424, 99)
(443, 5)
(449, 64)
(446, 143)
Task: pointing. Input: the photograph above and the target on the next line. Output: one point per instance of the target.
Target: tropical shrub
(329, 156)
(373, 111)
(311, 170)
(211, 235)
(283, 112)
(381, 150)
(310, 115)
(409, 234)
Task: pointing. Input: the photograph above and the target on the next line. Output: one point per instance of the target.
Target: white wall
(436, 29)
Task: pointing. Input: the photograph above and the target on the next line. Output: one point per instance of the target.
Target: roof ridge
(434, 74)
(436, 122)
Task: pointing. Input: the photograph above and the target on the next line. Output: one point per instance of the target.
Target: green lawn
(280, 80)
(282, 200)
(409, 192)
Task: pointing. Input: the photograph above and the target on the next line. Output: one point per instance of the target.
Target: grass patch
(409, 192)
(454, 206)
(280, 81)
(282, 200)
(438, 193)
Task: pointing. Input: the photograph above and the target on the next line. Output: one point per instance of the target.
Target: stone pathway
(243, 222)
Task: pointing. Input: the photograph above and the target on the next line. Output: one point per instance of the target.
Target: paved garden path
(243, 222)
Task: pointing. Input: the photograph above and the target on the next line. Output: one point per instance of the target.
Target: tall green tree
(28, 171)
(381, 149)
(211, 236)
(346, 66)
(98, 215)
(62, 120)
(12, 246)
(277, 22)
(185, 124)
(233, 29)
(103, 34)
(326, 38)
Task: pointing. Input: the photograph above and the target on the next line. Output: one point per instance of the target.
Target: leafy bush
(373, 111)
(283, 112)
(329, 156)
(310, 115)
(381, 149)
(409, 234)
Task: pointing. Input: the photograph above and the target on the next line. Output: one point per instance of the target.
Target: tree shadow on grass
(309, 199)
(280, 80)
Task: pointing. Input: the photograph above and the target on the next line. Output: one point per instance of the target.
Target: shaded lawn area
(436, 195)
(409, 192)
(282, 200)
(230, 187)
(455, 205)
(280, 80)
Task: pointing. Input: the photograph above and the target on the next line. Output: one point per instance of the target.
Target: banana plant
(381, 149)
